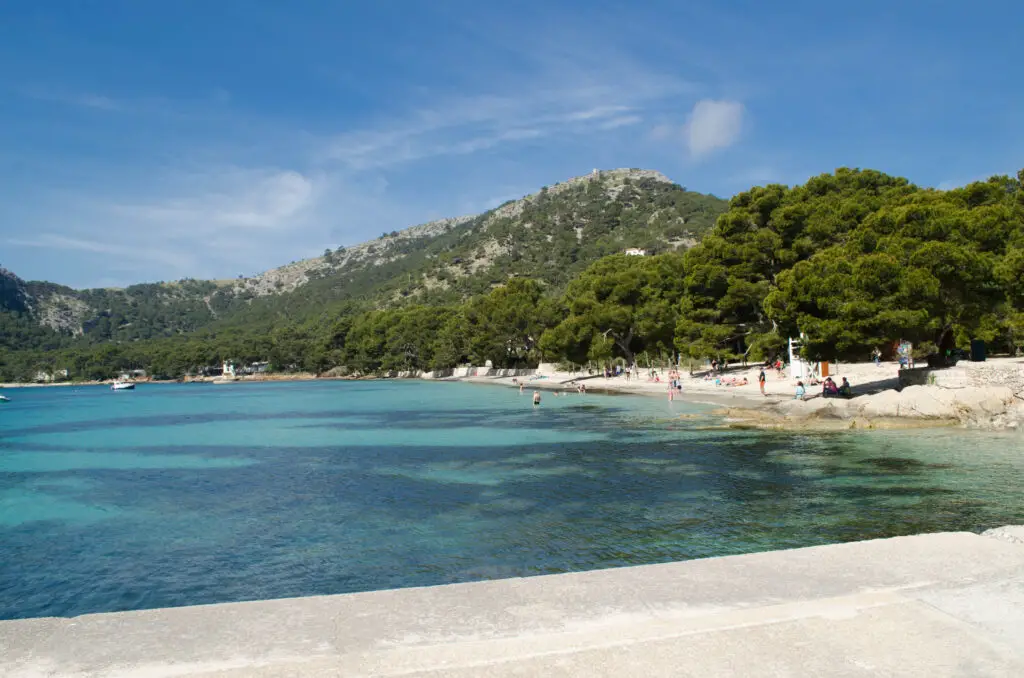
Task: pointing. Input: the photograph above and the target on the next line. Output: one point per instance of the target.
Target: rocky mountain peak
(12, 292)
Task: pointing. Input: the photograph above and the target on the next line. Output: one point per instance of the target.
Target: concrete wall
(929, 606)
(1007, 372)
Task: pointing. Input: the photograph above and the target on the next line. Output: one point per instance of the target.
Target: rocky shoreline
(990, 408)
(881, 404)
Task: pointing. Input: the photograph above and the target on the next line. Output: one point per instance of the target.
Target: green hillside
(857, 260)
(549, 236)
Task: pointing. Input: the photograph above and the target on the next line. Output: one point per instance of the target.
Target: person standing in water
(761, 378)
(536, 398)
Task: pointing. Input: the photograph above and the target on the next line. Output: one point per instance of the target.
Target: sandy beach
(877, 400)
(730, 391)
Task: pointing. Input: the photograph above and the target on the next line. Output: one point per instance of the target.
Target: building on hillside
(636, 252)
(256, 368)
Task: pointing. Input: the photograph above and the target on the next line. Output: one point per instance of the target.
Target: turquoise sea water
(187, 494)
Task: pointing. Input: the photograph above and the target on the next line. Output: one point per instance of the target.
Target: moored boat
(4, 399)
(122, 386)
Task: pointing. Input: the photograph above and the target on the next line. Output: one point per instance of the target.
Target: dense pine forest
(855, 260)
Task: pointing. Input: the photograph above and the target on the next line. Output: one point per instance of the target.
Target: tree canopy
(854, 260)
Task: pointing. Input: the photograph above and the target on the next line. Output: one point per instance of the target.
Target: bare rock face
(612, 180)
(383, 249)
(63, 313)
(12, 293)
(372, 252)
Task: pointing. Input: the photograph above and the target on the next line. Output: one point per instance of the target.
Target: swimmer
(536, 398)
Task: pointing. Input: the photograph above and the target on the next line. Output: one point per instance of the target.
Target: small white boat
(122, 386)
(4, 399)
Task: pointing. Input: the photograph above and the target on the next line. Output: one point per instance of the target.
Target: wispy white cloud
(118, 255)
(621, 121)
(189, 224)
(231, 198)
(212, 223)
(77, 99)
(713, 125)
(480, 143)
(97, 101)
(475, 123)
(596, 113)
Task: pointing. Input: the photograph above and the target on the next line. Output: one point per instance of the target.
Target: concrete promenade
(948, 604)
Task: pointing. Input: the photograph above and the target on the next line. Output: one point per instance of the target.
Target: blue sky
(145, 141)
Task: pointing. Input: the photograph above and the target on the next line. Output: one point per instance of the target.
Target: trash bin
(977, 351)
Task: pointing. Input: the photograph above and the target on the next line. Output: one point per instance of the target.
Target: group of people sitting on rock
(829, 389)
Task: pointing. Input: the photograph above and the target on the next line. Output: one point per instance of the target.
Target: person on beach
(800, 391)
(761, 378)
(536, 398)
(845, 389)
(829, 390)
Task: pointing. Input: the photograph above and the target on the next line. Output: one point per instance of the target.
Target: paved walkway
(935, 605)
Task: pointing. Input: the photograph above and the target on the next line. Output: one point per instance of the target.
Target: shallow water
(187, 494)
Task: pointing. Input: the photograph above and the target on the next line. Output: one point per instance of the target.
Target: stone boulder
(1011, 533)
(988, 407)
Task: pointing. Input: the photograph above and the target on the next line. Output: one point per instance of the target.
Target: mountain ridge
(546, 234)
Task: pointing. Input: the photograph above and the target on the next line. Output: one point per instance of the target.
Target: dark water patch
(553, 418)
(33, 446)
(902, 465)
(866, 491)
(164, 420)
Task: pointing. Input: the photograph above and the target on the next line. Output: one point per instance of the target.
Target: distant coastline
(880, 402)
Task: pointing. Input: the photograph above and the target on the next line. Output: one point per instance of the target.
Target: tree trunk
(623, 344)
(946, 342)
